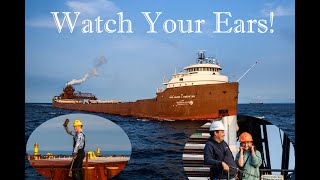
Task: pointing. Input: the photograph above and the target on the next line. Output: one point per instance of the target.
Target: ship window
(180, 84)
(201, 69)
(197, 69)
(223, 112)
(205, 69)
(181, 79)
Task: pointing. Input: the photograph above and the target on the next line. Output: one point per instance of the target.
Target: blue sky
(100, 133)
(136, 63)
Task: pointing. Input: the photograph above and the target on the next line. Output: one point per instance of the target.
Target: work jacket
(251, 165)
(214, 154)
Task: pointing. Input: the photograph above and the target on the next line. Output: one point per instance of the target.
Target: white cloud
(94, 7)
(278, 11)
(45, 22)
(88, 9)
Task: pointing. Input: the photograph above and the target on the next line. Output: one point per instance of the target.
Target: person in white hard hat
(78, 148)
(218, 155)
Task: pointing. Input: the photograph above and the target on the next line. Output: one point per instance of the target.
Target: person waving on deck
(78, 148)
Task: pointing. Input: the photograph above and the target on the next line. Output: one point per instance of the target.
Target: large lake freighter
(198, 93)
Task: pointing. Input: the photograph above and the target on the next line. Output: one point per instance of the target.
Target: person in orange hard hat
(248, 158)
(78, 148)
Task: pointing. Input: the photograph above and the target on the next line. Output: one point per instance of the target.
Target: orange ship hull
(198, 102)
(58, 170)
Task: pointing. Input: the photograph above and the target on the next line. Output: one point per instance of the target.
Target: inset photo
(78, 146)
(240, 146)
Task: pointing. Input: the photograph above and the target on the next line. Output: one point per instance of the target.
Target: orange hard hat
(245, 137)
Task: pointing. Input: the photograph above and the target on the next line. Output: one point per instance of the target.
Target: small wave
(45, 105)
(143, 119)
(260, 117)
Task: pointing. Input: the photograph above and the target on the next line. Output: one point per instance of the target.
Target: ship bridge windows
(181, 79)
(203, 69)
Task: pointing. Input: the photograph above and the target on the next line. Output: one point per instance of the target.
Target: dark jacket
(214, 154)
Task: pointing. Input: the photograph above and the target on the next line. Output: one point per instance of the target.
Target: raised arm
(65, 124)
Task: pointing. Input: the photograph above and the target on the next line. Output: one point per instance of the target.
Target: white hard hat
(216, 125)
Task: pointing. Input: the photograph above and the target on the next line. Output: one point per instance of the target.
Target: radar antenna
(203, 59)
(201, 56)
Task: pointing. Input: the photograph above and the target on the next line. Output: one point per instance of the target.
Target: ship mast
(201, 56)
(203, 59)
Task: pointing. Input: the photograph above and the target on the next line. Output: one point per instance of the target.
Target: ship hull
(58, 169)
(198, 102)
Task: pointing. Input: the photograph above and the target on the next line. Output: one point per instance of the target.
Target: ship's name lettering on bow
(181, 96)
(182, 103)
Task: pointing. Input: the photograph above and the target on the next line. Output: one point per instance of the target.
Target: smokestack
(92, 72)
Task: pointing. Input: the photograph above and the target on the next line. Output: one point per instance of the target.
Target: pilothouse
(205, 71)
